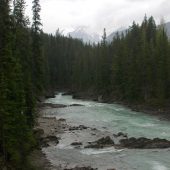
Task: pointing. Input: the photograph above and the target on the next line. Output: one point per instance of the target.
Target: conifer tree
(22, 50)
(13, 128)
(37, 53)
(5, 57)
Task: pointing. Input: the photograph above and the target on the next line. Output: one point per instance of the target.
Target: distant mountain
(113, 34)
(167, 26)
(87, 36)
(120, 31)
(84, 34)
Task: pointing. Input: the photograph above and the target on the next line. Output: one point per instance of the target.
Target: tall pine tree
(37, 53)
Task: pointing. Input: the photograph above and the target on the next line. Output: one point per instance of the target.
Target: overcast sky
(98, 14)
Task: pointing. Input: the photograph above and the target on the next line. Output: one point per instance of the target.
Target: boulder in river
(62, 120)
(105, 141)
(76, 143)
(81, 127)
(44, 141)
(144, 143)
(53, 139)
(82, 168)
(101, 143)
(38, 132)
(52, 105)
(120, 134)
(50, 95)
(67, 93)
(76, 105)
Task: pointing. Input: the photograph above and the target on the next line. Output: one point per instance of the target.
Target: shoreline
(50, 131)
(39, 161)
(161, 113)
(44, 133)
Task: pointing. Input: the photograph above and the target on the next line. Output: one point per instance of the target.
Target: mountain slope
(113, 34)
(120, 31)
(85, 35)
(167, 26)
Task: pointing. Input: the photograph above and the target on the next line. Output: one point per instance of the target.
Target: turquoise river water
(108, 119)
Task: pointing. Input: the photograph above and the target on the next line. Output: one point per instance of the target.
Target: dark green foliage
(22, 51)
(135, 67)
(17, 95)
(37, 53)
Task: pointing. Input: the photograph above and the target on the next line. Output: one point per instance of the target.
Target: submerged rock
(53, 138)
(76, 143)
(47, 96)
(45, 141)
(144, 143)
(52, 105)
(82, 168)
(76, 105)
(67, 93)
(105, 141)
(120, 134)
(94, 129)
(62, 120)
(38, 132)
(81, 127)
(101, 143)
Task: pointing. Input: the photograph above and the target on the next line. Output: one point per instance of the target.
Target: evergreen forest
(134, 67)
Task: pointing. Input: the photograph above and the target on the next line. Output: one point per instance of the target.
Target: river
(108, 119)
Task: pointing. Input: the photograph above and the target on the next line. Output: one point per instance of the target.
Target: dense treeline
(135, 67)
(21, 70)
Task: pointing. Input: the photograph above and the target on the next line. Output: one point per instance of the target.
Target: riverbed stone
(52, 105)
(144, 143)
(120, 134)
(80, 127)
(62, 120)
(76, 105)
(82, 168)
(76, 143)
(45, 141)
(101, 143)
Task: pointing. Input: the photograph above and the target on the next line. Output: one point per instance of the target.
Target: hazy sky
(98, 14)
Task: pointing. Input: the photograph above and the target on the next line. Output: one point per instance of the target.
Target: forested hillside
(21, 81)
(135, 67)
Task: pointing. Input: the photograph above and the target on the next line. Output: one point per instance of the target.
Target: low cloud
(97, 14)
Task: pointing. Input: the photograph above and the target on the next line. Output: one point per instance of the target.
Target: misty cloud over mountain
(88, 36)
(84, 34)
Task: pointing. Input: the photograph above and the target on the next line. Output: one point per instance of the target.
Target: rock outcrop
(82, 168)
(101, 143)
(144, 143)
(81, 127)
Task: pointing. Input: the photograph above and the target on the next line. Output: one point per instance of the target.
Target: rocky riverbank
(45, 136)
(51, 132)
(46, 132)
